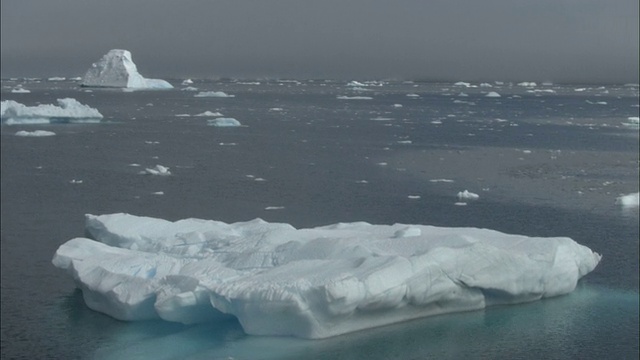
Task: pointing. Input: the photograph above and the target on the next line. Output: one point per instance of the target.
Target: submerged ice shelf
(310, 283)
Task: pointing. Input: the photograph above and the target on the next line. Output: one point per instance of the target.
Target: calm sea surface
(546, 161)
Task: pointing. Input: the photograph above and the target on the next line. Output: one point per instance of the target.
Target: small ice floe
(227, 144)
(397, 105)
(75, 181)
(629, 200)
(57, 78)
(383, 164)
(20, 90)
(274, 208)
(259, 179)
(580, 89)
(468, 195)
(223, 122)
(634, 122)
(220, 94)
(462, 83)
(37, 133)
(460, 203)
(355, 83)
(381, 118)
(493, 94)
(486, 85)
(362, 182)
(437, 122)
(276, 109)
(526, 151)
(209, 113)
(596, 102)
(441, 180)
(342, 97)
(528, 84)
(413, 95)
(182, 115)
(463, 94)
(158, 193)
(158, 170)
(134, 165)
(414, 197)
(189, 88)
(152, 142)
(404, 142)
(187, 82)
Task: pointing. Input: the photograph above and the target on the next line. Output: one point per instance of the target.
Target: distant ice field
(543, 164)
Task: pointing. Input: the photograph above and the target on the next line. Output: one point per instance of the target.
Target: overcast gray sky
(528, 40)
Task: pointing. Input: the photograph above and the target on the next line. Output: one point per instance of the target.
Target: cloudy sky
(527, 40)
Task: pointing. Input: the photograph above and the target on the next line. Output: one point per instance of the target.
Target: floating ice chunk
(596, 102)
(187, 82)
(220, 94)
(462, 83)
(209, 113)
(634, 122)
(413, 197)
(528, 84)
(310, 283)
(223, 122)
(486, 85)
(37, 133)
(342, 97)
(441, 180)
(20, 90)
(463, 94)
(629, 200)
(413, 95)
(397, 105)
(355, 83)
(189, 88)
(68, 111)
(274, 208)
(493, 94)
(381, 118)
(158, 170)
(57, 78)
(117, 69)
(468, 195)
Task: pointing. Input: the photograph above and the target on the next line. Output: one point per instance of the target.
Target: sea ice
(20, 90)
(223, 122)
(158, 170)
(220, 94)
(209, 113)
(117, 69)
(468, 195)
(311, 282)
(37, 133)
(629, 200)
(68, 111)
(354, 98)
(493, 94)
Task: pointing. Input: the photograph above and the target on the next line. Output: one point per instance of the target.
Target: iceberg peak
(117, 69)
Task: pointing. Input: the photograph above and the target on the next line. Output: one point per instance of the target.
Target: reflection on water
(573, 326)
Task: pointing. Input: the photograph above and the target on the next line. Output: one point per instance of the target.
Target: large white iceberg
(117, 69)
(69, 110)
(310, 283)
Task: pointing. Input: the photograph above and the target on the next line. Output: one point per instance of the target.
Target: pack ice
(69, 110)
(313, 282)
(117, 69)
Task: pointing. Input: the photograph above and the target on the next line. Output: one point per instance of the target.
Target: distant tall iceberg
(117, 69)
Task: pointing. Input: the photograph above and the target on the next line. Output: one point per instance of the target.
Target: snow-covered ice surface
(117, 69)
(68, 110)
(310, 283)
(223, 122)
(629, 200)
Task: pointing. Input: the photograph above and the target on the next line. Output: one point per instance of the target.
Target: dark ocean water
(545, 164)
